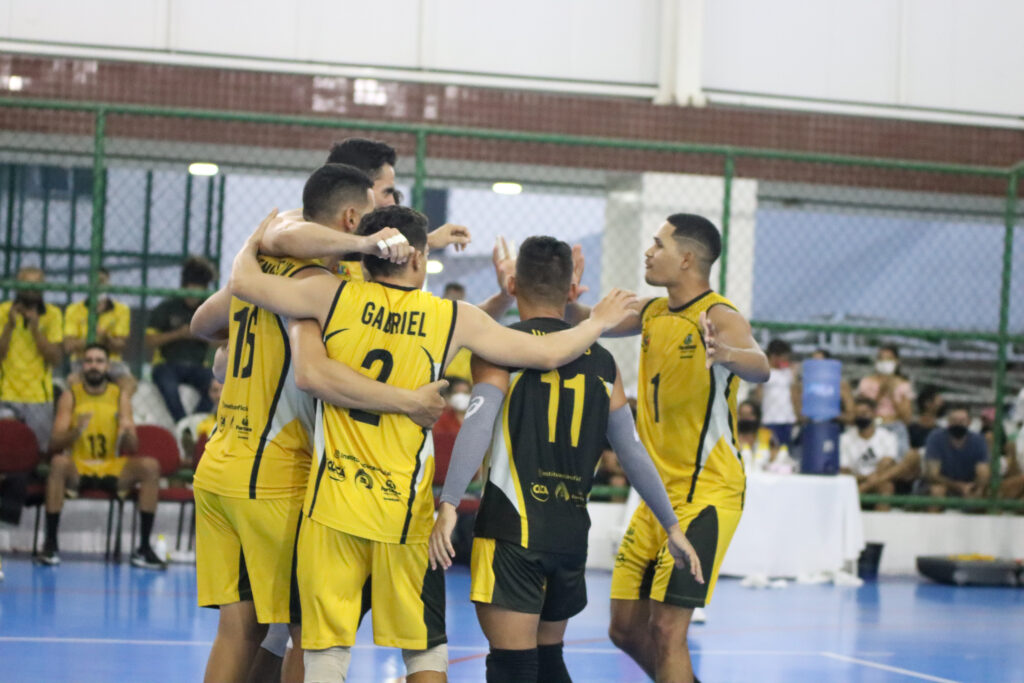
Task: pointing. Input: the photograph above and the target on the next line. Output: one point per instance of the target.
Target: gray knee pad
(276, 641)
(326, 666)
(434, 659)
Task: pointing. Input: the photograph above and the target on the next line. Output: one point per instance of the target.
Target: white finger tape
(382, 245)
(397, 239)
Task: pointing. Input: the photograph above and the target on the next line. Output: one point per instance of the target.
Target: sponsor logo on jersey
(336, 472)
(688, 347)
(363, 479)
(562, 491)
(539, 492)
(390, 492)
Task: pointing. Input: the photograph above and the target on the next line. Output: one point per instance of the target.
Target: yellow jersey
(99, 440)
(25, 376)
(115, 321)
(374, 473)
(261, 445)
(686, 413)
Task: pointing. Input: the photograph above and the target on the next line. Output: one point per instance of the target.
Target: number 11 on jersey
(578, 385)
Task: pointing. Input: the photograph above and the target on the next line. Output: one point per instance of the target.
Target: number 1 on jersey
(656, 381)
(578, 385)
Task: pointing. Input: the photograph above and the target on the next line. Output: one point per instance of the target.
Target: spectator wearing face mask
(893, 394)
(779, 397)
(758, 445)
(447, 426)
(956, 459)
(868, 452)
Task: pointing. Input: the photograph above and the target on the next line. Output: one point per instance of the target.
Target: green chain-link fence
(826, 252)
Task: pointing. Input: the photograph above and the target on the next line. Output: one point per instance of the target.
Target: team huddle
(314, 495)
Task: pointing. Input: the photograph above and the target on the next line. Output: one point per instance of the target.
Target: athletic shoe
(145, 558)
(699, 616)
(48, 557)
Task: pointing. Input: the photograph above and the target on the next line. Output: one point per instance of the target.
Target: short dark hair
(779, 347)
(369, 156)
(958, 406)
(689, 226)
(926, 396)
(865, 401)
(458, 286)
(891, 348)
(544, 270)
(409, 222)
(330, 187)
(96, 345)
(197, 270)
(824, 352)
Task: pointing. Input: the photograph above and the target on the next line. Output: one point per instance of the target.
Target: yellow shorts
(244, 551)
(334, 569)
(108, 467)
(645, 569)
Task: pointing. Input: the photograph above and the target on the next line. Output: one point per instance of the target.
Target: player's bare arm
(475, 330)
(490, 384)
(503, 257)
(729, 342)
(213, 317)
(64, 433)
(336, 383)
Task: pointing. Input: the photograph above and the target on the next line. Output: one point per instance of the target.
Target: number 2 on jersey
(578, 385)
(387, 362)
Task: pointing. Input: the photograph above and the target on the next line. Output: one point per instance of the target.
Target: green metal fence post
(1009, 219)
(19, 238)
(421, 170)
(188, 217)
(99, 194)
(147, 213)
(221, 183)
(723, 264)
(12, 185)
(209, 216)
(73, 217)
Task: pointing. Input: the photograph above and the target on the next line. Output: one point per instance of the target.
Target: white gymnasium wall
(943, 54)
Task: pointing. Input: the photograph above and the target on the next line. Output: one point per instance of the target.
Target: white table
(796, 524)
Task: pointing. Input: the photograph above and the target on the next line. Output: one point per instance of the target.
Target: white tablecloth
(796, 524)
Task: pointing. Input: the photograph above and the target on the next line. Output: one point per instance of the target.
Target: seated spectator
(181, 357)
(868, 452)
(779, 397)
(931, 407)
(956, 459)
(30, 347)
(893, 394)
(1012, 465)
(113, 326)
(447, 426)
(85, 438)
(845, 392)
(758, 445)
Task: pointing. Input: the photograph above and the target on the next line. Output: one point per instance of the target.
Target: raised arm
(490, 384)
(729, 343)
(336, 383)
(212, 319)
(507, 347)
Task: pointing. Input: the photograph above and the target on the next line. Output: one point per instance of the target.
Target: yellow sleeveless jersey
(99, 440)
(261, 445)
(687, 413)
(374, 473)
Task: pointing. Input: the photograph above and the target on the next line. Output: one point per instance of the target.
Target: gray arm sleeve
(637, 464)
(473, 440)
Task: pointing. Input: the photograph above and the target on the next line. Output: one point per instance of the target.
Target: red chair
(19, 454)
(160, 444)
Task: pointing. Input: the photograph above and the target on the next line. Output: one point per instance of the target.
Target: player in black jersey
(530, 549)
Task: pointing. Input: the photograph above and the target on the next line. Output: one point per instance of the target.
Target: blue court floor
(89, 621)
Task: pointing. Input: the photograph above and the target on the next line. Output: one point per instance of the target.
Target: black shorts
(508, 575)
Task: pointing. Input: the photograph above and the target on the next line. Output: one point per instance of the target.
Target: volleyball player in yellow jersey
(695, 347)
(86, 439)
(369, 504)
(251, 479)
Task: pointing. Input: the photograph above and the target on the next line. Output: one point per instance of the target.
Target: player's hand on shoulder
(429, 404)
(683, 553)
(449, 234)
(440, 547)
(388, 244)
(615, 307)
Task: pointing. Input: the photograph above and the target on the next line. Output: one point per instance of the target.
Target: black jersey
(546, 447)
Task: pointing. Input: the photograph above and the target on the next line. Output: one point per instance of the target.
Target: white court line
(886, 667)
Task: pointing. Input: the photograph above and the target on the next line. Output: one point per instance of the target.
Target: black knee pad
(512, 666)
(551, 665)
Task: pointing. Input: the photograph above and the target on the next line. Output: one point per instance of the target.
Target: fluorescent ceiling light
(203, 168)
(507, 188)
(15, 83)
